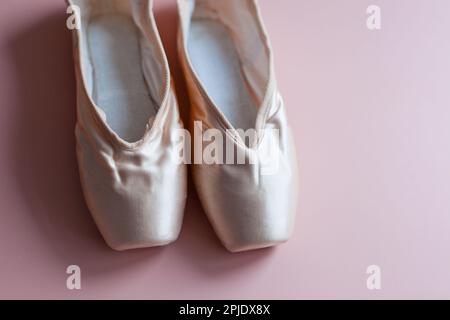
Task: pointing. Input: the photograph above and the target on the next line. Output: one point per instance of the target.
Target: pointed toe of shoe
(247, 215)
(136, 198)
(134, 237)
(125, 227)
(254, 240)
(136, 221)
(254, 229)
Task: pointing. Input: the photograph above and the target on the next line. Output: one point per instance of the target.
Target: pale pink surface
(371, 115)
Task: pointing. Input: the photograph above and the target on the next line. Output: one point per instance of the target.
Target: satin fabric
(136, 192)
(247, 208)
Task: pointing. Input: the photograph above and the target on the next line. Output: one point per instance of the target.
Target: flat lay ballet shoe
(126, 109)
(228, 65)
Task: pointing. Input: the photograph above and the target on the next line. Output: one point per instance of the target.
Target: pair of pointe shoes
(127, 112)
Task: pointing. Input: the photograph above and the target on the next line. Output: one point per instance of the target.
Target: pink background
(371, 114)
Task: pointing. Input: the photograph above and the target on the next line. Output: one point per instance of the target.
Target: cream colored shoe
(228, 65)
(126, 110)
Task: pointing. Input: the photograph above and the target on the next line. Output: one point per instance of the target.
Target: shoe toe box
(135, 199)
(247, 212)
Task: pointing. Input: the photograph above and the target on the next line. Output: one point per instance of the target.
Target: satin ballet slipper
(228, 65)
(126, 110)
